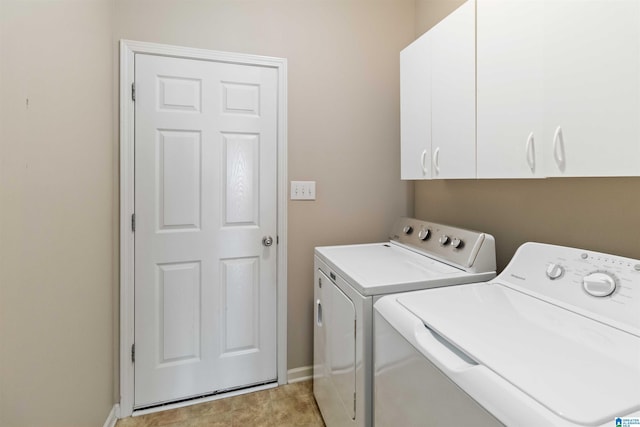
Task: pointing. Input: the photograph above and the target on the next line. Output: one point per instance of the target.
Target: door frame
(128, 50)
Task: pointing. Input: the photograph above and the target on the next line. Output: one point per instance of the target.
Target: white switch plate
(303, 190)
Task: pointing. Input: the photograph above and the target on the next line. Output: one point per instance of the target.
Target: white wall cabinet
(558, 88)
(438, 100)
(509, 93)
(558, 91)
(591, 87)
(453, 99)
(415, 109)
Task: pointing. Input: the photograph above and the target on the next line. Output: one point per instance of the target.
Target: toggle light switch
(303, 190)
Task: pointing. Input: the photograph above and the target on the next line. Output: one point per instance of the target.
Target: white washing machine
(350, 278)
(554, 340)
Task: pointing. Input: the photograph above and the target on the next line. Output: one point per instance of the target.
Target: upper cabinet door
(592, 87)
(453, 102)
(415, 109)
(509, 89)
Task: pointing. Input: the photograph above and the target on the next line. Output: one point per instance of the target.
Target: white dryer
(554, 340)
(350, 278)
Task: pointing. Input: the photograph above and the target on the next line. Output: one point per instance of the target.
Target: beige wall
(56, 199)
(59, 172)
(343, 112)
(430, 12)
(599, 214)
(592, 213)
(59, 168)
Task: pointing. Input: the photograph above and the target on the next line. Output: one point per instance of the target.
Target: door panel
(180, 176)
(205, 171)
(179, 312)
(241, 297)
(242, 153)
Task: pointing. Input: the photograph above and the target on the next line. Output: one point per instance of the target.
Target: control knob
(407, 229)
(456, 243)
(599, 284)
(444, 239)
(555, 271)
(424, 234)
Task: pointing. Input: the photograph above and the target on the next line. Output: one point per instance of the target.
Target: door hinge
(133, 353)
(133, 222)
(277, 240)
(133, 91)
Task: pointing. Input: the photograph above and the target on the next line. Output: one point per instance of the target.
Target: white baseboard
(299, 374)
(112, 419)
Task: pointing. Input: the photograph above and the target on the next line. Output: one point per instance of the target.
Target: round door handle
(267, 240)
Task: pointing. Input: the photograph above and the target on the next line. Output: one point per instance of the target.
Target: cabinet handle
(531, 153)
(436, 161)
(423, 162)
(558, 149)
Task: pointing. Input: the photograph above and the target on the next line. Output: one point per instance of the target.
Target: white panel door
(205, 195)
(592, 87)
(509, 92)
(415, 109)
(453, 88)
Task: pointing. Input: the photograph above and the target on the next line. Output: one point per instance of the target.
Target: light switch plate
(303, 190)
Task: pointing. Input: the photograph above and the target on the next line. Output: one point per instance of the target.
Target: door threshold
(222, 394)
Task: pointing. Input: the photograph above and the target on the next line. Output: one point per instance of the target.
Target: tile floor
(288, 405)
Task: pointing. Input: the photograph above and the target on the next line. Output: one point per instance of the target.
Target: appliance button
(424, 234)
(444, 239)
(456, 243)
(555, 271)
(407, 229)
(584, 256)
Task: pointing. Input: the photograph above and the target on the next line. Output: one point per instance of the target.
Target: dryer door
(321, 387)
(334, 353)
(341, 335)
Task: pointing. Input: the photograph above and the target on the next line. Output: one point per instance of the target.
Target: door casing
(128, 50)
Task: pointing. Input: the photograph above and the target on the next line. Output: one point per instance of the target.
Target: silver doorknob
(267, 240)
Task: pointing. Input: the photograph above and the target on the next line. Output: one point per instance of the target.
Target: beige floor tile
(211, 409)
(289, 405)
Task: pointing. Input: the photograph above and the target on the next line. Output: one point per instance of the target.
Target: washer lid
(381, 268)
(582, 370)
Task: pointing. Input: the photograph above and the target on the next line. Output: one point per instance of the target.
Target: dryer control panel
(467, 249)
(600, 286)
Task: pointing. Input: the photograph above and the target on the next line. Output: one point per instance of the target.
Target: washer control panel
(601, 286)
(470, 250)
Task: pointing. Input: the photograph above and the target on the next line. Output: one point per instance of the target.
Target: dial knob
(444, 239)
(599, 284)
(456, 243)
(407, 229)
(424, 234)
(554, 271)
